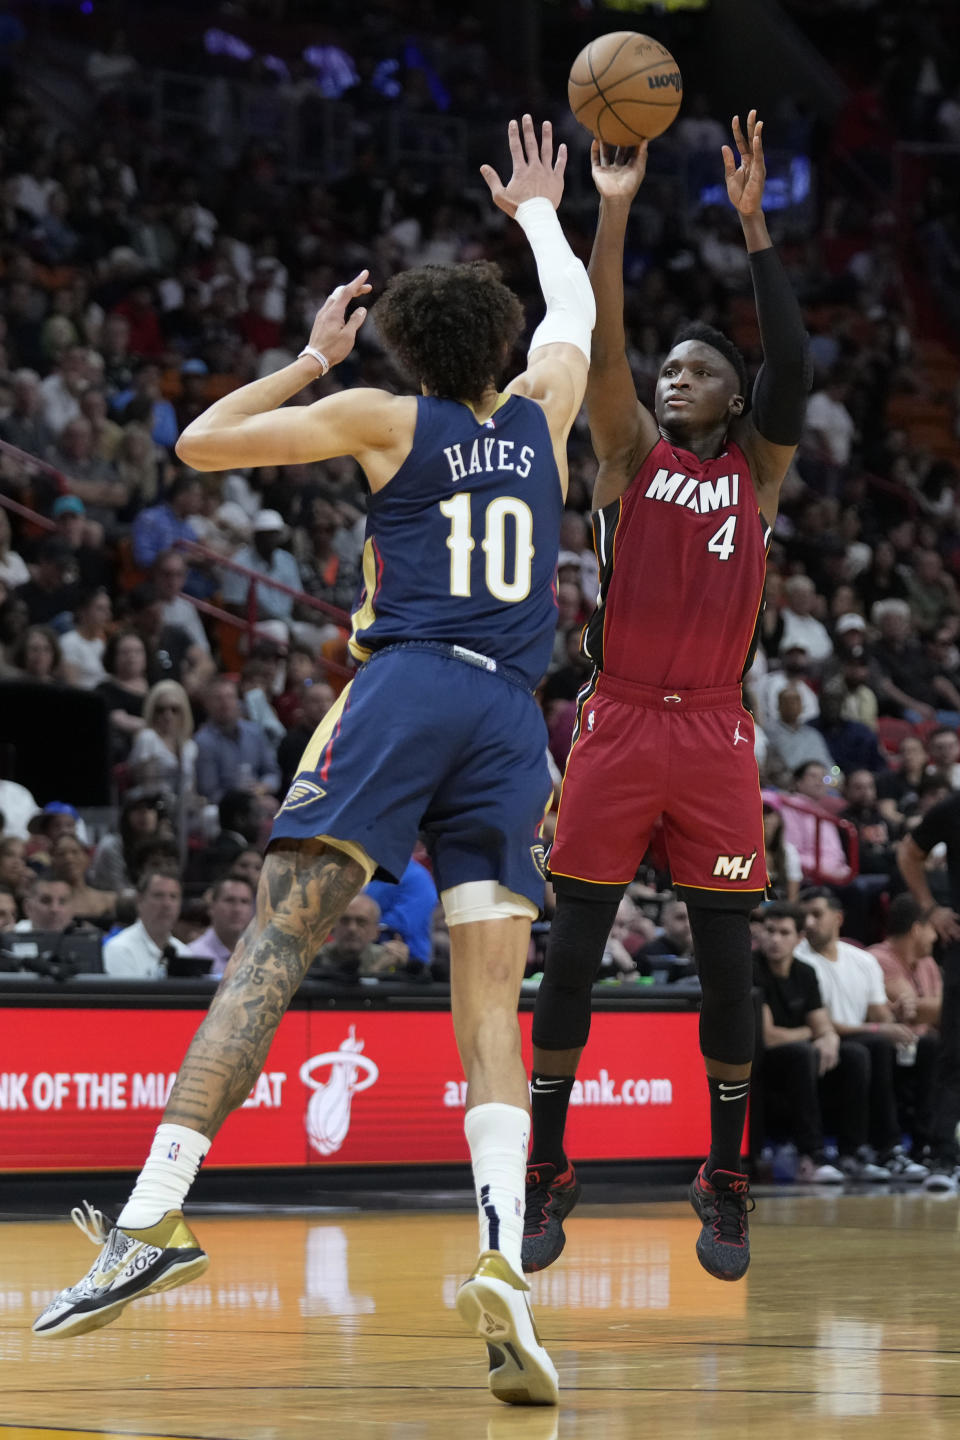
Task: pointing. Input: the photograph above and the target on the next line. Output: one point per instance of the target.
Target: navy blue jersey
(461, 545)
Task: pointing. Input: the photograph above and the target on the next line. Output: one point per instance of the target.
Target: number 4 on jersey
(722, 542)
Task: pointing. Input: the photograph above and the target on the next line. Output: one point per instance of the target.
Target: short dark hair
(940, 730)
(783, 910)
(228, 879)
(709, 335)
(157, 872)
(183, 480)
(903, 915)
(165, 555)
(113, 645)
(451, 326)
(238, 810)
(154, 853)
(821, 892)
(800, 770)
(46, 878)
(87, 597)
(19, 656)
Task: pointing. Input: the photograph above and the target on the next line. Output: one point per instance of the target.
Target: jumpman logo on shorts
(738, 738)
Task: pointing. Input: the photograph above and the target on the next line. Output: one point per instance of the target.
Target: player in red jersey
(683, 507)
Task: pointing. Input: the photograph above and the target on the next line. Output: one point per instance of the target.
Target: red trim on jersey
(379, 584)
(328, 752)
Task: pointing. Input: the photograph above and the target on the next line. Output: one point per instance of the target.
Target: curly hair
(707, 335)
(451, 326)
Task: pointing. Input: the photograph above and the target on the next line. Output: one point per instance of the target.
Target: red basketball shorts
(638, 754)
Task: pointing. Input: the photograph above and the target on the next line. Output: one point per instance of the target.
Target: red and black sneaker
(723, 1204)
(550, 1198)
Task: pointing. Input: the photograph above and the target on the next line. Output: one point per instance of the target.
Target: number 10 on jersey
(460, 543)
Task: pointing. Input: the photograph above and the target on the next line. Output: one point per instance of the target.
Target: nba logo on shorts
(590, 720)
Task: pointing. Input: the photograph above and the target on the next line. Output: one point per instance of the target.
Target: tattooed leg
(304, 888)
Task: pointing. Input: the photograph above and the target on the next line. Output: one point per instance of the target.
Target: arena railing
(333, 614)
(249, 623)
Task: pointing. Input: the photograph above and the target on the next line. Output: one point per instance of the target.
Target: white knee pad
(484, 900)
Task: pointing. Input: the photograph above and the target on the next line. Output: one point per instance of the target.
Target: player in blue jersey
(438, 732)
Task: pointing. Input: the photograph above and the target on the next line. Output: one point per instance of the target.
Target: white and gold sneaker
(494, 1304)
(132, 1263)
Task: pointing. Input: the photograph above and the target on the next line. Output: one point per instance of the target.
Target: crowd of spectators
(137, 284)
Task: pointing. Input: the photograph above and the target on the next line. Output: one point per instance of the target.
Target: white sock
(498, 1136)
(169, 1171)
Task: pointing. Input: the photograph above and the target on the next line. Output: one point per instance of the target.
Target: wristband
(317, 355)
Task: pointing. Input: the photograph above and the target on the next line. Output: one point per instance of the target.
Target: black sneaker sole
(540, 1251)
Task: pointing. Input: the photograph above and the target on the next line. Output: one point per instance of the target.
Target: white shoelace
(93, 1223)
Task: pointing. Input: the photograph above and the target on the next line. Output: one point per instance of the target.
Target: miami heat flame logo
(328, 1112)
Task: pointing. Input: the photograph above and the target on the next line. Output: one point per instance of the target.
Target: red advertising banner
(84, 1089)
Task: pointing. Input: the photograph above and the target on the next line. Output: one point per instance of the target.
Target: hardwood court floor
(333, 1324)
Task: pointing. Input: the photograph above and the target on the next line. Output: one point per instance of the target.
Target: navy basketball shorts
(422, 742)
(641, 753)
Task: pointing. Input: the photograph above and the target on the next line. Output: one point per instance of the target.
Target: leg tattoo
(304, 889)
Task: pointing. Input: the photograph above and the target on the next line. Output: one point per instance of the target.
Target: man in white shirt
(766, 688)
(852, 986)
(141, 951)
(800, 625)
(829, 424)
(231, 910)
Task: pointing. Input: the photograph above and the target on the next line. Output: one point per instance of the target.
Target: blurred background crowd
(176, 200)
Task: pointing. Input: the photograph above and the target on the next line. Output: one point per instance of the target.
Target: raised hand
(534, 170)
(617, 173)
(333, 334)
(745, 181)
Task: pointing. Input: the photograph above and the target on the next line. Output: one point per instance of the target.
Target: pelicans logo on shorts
(538, 854)
(302, 792)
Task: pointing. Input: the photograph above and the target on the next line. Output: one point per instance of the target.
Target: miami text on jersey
(700, 496)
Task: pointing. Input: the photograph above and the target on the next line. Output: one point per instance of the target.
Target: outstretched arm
(560, 349)
(770, 433)
(248, 426)
(622, 430)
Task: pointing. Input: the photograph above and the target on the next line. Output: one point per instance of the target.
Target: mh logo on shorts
(734, 867)
(301, 792)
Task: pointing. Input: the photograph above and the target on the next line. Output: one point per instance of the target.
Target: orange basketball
(625, 88)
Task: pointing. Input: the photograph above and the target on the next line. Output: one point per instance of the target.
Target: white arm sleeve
(571, 309)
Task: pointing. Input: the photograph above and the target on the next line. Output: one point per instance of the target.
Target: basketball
(625, 88)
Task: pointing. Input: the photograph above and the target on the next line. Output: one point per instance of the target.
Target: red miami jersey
(681, 608)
